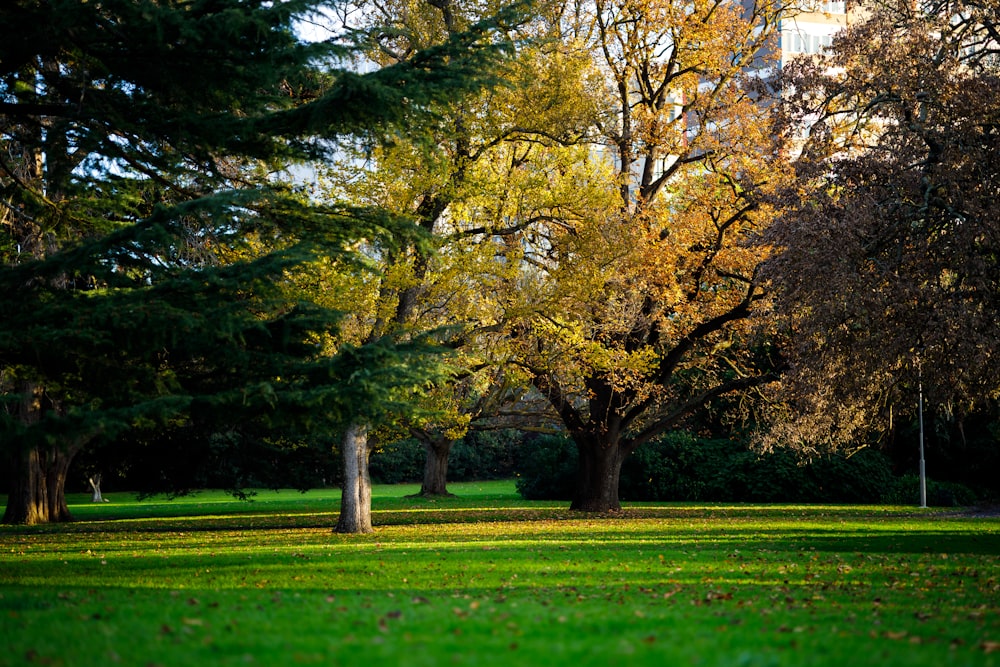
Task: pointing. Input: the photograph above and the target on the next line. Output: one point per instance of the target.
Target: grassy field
(490, 579)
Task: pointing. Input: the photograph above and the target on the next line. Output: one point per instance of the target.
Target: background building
(809, 28)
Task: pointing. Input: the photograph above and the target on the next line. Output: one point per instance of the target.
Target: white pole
(923, 469)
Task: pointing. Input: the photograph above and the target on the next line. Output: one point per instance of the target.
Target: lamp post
(923, 468)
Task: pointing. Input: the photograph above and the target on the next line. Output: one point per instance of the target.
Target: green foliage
(484, 455)
(397, 462)
(683, 467)
(905, 490)
(142, 278)
(546, 468)
(147, 248)
(480, 455)
(490, 579)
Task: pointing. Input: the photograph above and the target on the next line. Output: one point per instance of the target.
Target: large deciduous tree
(445, 183)
(146, 244)
(641, 308)
(887, 267)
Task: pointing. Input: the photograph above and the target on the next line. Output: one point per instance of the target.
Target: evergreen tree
(145, 243)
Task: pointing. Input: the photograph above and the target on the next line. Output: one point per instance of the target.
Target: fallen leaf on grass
(990, 646)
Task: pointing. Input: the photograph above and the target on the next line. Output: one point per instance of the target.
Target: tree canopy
(886, 267)
(209, 225)
(640, 285)
(147, 237)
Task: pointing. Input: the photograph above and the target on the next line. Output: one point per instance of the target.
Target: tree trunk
(436, 466)
(38, 474)
(38, 485)
(356, 499)
(598, 473)
(95, 486)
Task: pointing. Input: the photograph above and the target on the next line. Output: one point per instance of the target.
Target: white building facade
(808, 29)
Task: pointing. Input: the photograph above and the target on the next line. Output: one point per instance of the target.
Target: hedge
(478, 456)
(683, 467)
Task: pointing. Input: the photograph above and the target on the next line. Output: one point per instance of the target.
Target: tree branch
(661, 426)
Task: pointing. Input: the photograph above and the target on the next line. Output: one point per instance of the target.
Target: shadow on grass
(676, 528)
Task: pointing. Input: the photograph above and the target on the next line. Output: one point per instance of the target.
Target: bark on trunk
(95, 487)
(356, 499)
(38, 474)
(436, 467)
(38, 486)
(597, 477)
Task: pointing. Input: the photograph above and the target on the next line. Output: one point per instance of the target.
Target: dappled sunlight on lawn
(508, 579)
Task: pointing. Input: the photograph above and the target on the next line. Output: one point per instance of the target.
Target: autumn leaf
(718, 595)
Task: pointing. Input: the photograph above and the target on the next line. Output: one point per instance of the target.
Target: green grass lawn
(490, 579)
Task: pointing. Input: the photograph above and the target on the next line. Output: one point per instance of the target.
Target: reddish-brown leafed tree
(889, 259)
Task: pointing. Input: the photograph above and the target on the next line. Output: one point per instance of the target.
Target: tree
(886, 267)
(87, 121)
(472, 402)
(644, 294)
(146, 243)
(446, 284)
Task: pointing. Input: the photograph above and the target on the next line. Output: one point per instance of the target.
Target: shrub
(860, 478)
(546, 468)
(682, 467)
(678, 466)
(398, 462)
(477, 456)
(905, 490)
(483, 455)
